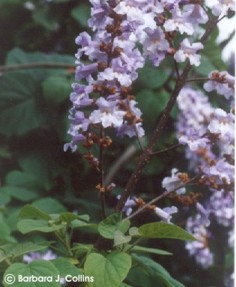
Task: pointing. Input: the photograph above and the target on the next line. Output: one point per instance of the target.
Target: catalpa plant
(123, 39)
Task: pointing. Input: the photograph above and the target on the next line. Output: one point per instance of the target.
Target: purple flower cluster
(200, 248)
(221, 82)
(202, 128)
(107, 62)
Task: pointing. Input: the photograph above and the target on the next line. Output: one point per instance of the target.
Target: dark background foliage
(34, 107)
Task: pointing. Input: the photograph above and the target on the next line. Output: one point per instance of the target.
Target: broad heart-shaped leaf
(37, 268)
(156, 270)
(164, 230)
(19, 110)
(49, 205)
(32, 212)
(29, 225)
(108, 226)
(120, 238)
(17, 249)
(107, 271)
(66, 267)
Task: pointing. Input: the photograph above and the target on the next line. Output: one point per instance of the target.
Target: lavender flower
(48, 255)
(221, 82)
(179, 22)
(129, 204)
(165, 213)
(173, 182)
(189, 51)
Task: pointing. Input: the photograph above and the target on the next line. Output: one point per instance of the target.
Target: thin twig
(198, 79)
(167, 149)
(146, 155)
(101, 160)
(163, 195)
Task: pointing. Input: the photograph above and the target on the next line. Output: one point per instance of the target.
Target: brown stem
(146, 155)
(101, 159)
(163, 195)
(46, 65)
(166, 149)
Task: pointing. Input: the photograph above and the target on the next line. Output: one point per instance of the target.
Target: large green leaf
(29, 225)
(66, 267)
(151, 77)
(19, 110)
(107, 271)
(18, 249)
(156, 270)
(164, 230)
(19, 193)
(38, 268)
(112, 223)
(32, 212)
(49, 205)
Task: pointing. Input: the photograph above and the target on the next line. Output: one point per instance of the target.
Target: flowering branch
(146, 155)
(163, 195)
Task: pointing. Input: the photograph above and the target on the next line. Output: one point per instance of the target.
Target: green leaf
(49, 205)
(32, 212)
(29, 225)
(56, 89)
(156, 270)
(19, 110)
(4, 229)
(151, 77)
(80, 250)
(152, 104)
(19, 193)
(69, 217)
(13, 250)
(144, 249)
(120, 238)
(66, 267)
(4, 198)
(107, 271)
(22, 179)
(18, 56)
(134, 232)
(112, 223)
(81, 14)
(39, 167)
(164, 230)
(36, 268)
